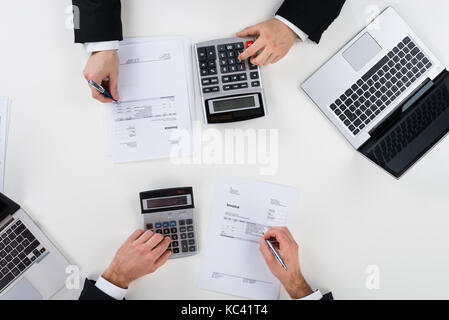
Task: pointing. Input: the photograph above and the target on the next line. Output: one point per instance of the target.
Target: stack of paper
(5, 104)
(242, 212)
(156, 106)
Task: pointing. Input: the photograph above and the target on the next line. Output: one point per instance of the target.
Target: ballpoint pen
(100, 89)
(276, 255)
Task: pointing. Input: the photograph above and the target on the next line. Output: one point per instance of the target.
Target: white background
(351, 214)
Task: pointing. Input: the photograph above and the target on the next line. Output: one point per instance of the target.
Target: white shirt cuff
(102, 46)
(314, 296)
(111, 290)
(302, 35)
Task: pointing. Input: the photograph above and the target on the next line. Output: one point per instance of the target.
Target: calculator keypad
(181, 233)
(220, 68)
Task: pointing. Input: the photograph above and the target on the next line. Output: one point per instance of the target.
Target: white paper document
(4, 118)
(243, 210)
(156, 99)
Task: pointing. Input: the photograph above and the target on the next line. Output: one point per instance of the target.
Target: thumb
(113, 86)
(250, 31)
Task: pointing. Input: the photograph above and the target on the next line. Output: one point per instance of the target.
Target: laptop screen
(7, 207)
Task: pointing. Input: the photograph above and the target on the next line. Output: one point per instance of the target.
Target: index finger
(252, 50)
(278, 234)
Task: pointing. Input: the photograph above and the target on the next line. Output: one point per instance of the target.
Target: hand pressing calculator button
(170, 212)
(225, 82)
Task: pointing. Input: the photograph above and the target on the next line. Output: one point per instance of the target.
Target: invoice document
(243, 210)
(4, 119)
(156, 99)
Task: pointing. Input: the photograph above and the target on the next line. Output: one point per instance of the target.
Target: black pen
(100, 89)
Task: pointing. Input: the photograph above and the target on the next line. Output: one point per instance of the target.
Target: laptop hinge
(5, 222)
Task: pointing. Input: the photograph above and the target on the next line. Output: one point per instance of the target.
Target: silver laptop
(31, 267)
(386, 93)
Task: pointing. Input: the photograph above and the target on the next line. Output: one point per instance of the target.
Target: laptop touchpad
(362, 51)
(22, 290)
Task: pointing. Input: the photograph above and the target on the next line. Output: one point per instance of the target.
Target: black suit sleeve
(91, 292)
(311, 16)
(328, 296)
(99, 20)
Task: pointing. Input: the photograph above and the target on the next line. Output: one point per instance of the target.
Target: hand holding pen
(282, 258)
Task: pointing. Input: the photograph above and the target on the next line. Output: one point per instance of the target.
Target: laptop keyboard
(381, 85)
(410, 128)
(19, 249)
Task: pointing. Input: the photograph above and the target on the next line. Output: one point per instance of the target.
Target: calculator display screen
(234, 104)
(166, 202)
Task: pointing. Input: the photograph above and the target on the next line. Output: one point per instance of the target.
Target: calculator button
(249, 44)
(175, 244)
(239, 46)
(183, 229)
(234, 78)
(149, 226)
(231, 54)
(191, 235)
(212, 64)
(254, 75)
(224, 69)
(184, 246)
(207, 90)
(172, 223)
(191, 242)
(174, 237)
(252, 66)
(192, 249)
(226, 79)
(229, 47)
(214, 80)
(231, 62)
(241, 67)
(211, 53)
(190, 228)
(221, 48)
(204, 72)
(175, 250)
(255, 84)
(212, 71)
(159, 231)
(165, 224)
(189, 221)
(158, 225)
(174, 230)
(222, 55)
(205, 82)
(235, 87)
(215, 89)
(203, 65)
(182, 222)
(166, 231)
(227, 88)
(243, 85)
(223, 62)
(242, 77)
(183, 235)
(202, 56)
(232, 68)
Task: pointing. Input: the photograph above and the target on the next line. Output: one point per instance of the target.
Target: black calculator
(170, 212)
(231, 90)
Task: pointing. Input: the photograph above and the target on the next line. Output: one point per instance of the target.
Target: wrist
(298, 288)
(116, 278)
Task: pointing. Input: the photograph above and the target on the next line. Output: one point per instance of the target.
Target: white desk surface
(351, 214)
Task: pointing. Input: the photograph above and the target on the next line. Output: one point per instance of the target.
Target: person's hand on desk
(100, 66)
(141, 254)
(274, 41)
(292, 278)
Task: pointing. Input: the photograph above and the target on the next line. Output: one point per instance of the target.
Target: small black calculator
(231, 90)
(170, 212)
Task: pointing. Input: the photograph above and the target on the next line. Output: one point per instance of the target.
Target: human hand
(274, 41)
(292, 278)
(103, 68)
(141, 254)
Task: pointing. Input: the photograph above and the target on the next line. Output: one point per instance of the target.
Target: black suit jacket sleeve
(99, 20)
(311, 16)
(328, 296)
(91, 292)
